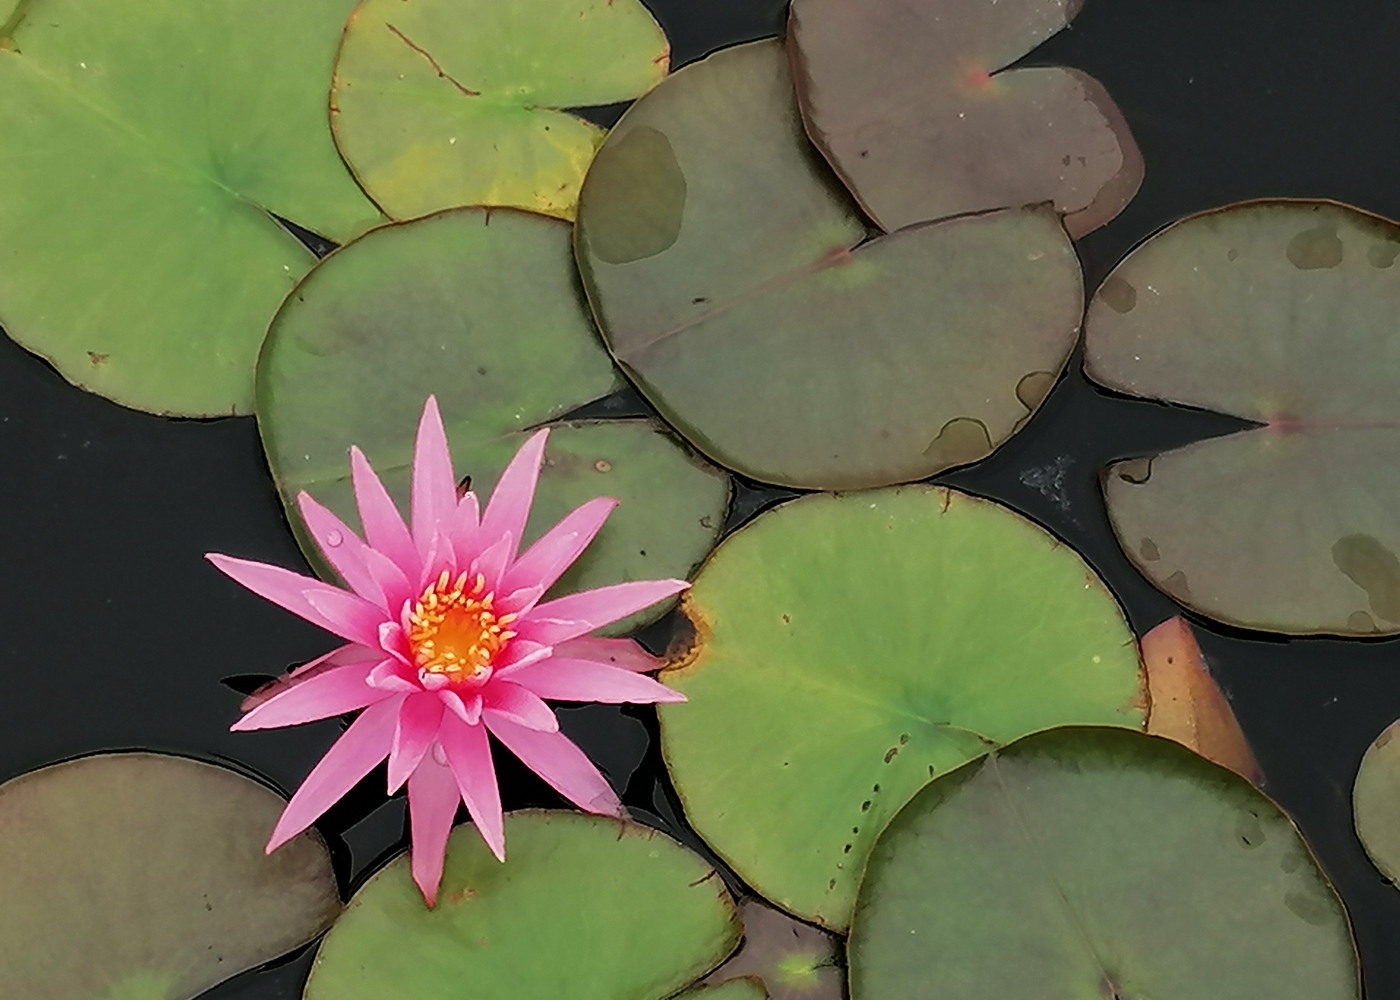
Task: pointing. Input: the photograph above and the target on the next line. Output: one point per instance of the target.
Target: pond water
(117, 634)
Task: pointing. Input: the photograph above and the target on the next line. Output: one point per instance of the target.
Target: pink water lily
(447, 641)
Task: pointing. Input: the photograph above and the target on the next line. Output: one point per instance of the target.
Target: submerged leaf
(733, 279)
(441, 103)
(137, 876)
(481, 309)
(1281, 313)
(848, 648)
(583, 907)
(1097, 863)
(790, 960)
(916, 109)
(144, 145)
(1187, 705)
(1376, 803)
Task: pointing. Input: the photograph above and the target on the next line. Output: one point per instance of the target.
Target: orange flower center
(454, 632)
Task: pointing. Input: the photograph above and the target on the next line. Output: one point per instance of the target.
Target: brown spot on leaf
(1137, 471)
(636, 197)
(1383, 254)
(1177, 586)
(1373, 568)
(97, 359)
(1360, 621)
(1316, 248)
(603, 465)
(1118, 294)
(1149, 550)
(961, 442)
(1033, 388)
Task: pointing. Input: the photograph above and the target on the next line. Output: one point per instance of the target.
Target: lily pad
(583, 907)
(733, 280)
(138, 876)
(1281, 313)
(442, 103)
(144, 145)
(748, 988)
(481, 308)
(1097, 863)
(849, 648)
(1186, 703)
(916, 109)
(788, 959)
(1376, 803)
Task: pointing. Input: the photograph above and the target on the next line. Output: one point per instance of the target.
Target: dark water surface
(117, 634)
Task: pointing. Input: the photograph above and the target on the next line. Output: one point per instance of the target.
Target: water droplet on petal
(334, 538)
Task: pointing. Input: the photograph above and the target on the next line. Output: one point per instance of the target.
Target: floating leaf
(1186, 703)
(584, 907)
(850, 647)
(1283, 313)
(481, 308)
(915, 107)
(788, 959)
(137, 876)
(143, 144)
(1376, 803)
(733, 280)
(749, 988)
(1097, 863)
(441, 103)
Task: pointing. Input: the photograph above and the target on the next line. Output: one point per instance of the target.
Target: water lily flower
(447, 641)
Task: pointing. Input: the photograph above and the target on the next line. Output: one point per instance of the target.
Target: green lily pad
(584, 907)
(916, 109)
(1282, 313)
(442, 103)
(138, 876)
(482, 309)
(848, 648)
(1097, 863)
(732, 279)
(143, 146)
(1375, 802)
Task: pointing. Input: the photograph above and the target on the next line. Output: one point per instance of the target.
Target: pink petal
(514, 703)
(384, 527)
(465, 530)
(390, 580)
(545, 561)
(561, 764)
(509, 507)
(519, 653)
(469, 755)
(318, 696)
(579, 614)
(493, 562)
(434, 500)
(353, 756)
(388, 676)
(393, 641)
(343, 657)
(342, 548)
(432, 806)
(350, 615)
(417, 728)
(626, 654)
(517, 602)
(584, 680)
(467, 709)
(293, 591)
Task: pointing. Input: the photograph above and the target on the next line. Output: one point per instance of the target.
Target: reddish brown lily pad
(914, 107)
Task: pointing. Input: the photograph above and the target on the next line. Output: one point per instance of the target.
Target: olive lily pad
(1281, 313)
(481, 308)
(733, 280)
(848, 648)
(138, 876)
(583, 907)
(913, 105)
(1097, 863)
(1376, 803)
(144, 145)
(441, 103)
(748, 988)
(789, 959)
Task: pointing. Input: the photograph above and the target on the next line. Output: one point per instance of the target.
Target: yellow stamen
(453, 631)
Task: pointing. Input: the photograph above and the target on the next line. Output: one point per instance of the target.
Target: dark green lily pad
(848, 648)
(1282, 313)
(787, 959)
(1097, 863)
(916, 109)
(138, 876)
(442, 103)
(732, 279)
(480, 308)
(143, 146)
(1375, 802)
(584, 907)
